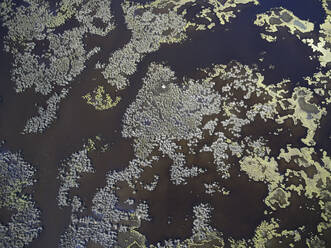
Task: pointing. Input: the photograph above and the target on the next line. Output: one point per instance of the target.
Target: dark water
(304, 9)
(239, 40)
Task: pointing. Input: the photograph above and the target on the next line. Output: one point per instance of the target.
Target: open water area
(170, 205)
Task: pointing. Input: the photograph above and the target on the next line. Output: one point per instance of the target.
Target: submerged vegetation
(24, 224)
(69, 174)
(277, 18)
(155, 121)
(101, 100)
(219, 158)
(45, 57)
(149, 31)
